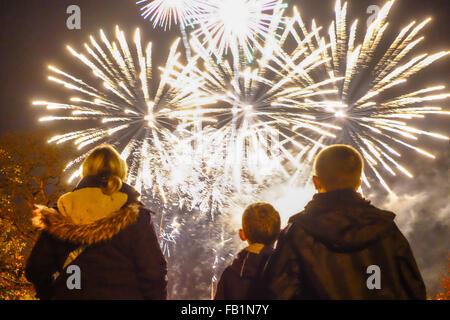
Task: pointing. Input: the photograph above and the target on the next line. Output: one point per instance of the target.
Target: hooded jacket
(121, 258)
(239, 281)
(329, 251)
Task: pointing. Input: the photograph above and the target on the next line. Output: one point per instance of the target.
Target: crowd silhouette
(340, 247)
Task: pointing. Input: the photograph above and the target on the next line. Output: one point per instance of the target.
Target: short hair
(261, 223)
(339, 167)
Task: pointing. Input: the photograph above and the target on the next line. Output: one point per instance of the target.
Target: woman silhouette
(99, 242)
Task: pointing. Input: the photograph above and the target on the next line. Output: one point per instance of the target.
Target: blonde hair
(106, 160)
(339, 167)
(261, 223)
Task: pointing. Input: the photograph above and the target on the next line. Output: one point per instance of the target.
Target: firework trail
(373, 117)
(168, 235)
(130, 110)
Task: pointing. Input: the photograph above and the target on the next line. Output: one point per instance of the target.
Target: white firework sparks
(261, 123)
(373, 110)
(165, 12)
(270, 112)
(269, 115)
(131, 111)
(168, 235)
(236, 25)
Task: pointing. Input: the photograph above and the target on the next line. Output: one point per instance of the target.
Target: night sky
(33, 34)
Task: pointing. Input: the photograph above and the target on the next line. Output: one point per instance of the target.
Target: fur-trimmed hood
(63, 227)
(86, 216)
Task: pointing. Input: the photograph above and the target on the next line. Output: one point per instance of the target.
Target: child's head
(261, 223)
(106, 160)
(338, 167)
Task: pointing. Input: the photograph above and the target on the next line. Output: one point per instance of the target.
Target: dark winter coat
(240, 280)
(326, 250)
(122, 258)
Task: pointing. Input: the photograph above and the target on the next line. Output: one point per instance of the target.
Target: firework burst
(236, 25)
(215, 130)
(261, 126)
(371, 109)
(163, 12)
(131, 110)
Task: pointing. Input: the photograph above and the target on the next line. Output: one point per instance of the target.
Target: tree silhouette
(30, 173)
(445, 284)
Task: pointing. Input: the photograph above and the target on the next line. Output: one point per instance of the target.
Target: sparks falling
(130, 109)
(374, 106)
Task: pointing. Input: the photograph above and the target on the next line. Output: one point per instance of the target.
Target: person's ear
(317, 183)
(242, 235)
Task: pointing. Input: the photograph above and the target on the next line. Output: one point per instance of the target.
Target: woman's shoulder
(143, 232)
(144, 215)
(65, 228)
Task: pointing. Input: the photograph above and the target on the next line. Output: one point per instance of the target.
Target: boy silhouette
(341, 246)
(260, 228)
